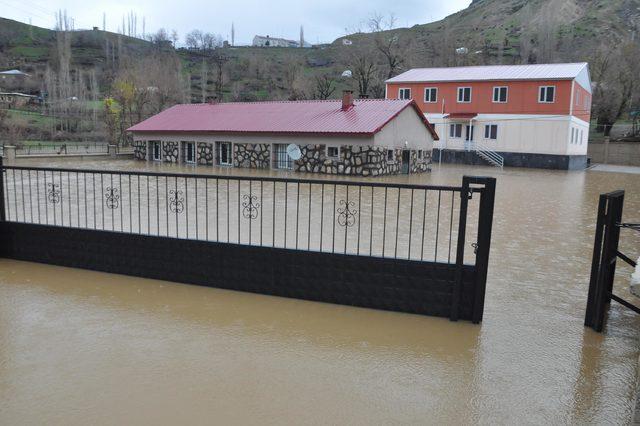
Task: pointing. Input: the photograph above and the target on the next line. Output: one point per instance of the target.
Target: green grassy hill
(493, 31)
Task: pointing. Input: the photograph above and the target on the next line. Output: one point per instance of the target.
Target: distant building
(266, 41)
(261, 41)
(349, 137)
(529, 115)
(17, 100)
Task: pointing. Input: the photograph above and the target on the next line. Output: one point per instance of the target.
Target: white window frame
(333, 157)
(153, 145)
(195, 155)
(462, 88)
(488, 126)
(456, 126)
(419, 154)
(400, 91)
(428, 90)
(393, 155)
(545, 89)
(506, 97)
(581, 136)
(220, 163)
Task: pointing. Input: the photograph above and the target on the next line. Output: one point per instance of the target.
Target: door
(189, 152)
(468, 141)
(155, 148)
(406, 160)
(281, 159)
(224, 153)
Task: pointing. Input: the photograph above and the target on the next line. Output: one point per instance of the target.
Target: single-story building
(365, 137)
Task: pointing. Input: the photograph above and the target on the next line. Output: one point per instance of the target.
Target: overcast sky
(323, 21)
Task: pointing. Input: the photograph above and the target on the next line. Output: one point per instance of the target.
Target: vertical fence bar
(462, 229)
(3, 216)
(485, 224)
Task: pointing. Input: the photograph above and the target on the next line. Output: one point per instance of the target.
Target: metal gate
(605, 256)
(410, 248)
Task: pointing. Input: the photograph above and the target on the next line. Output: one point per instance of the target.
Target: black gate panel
(371, 282)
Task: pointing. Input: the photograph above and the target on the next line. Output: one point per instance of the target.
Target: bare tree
(615, 84)
(324, 86)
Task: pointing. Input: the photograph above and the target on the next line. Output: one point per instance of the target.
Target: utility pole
(301, 36)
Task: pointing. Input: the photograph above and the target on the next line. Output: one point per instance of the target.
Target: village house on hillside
(266, 41)
(346, 137)
(521, 115)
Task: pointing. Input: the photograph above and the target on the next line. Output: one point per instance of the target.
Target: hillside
(102, 64)
(493, 31)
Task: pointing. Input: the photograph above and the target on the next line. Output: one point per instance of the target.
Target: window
(455, 130)
(224, 153)
(491, 131)
(469, 135)
(547, 94)
(419, 154)
(155, 146)
(581, 136)
(281, 159)
(333, 152)
(464, 94)
(578, 97)
(500, 94)
(390, 155)
(189, 152)
(404, 94)
(431, 94)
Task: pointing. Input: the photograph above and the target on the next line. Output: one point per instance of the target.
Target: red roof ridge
(289, 102)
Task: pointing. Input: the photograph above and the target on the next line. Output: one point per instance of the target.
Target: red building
(519, 115)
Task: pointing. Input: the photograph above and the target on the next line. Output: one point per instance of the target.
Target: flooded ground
(81, 347)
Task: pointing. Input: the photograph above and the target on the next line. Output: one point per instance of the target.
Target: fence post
(604, 286)
(485, 225)
(596, 263)
(2, 212)
(462, 229)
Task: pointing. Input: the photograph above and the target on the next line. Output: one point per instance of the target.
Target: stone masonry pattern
(254, 156)
(205, 153)
(170, 152)
(140, 150)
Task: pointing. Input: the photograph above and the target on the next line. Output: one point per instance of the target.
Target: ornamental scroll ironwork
(112, 198)
(250, 207)
(347, 213)
(176, 201)
(54, 193)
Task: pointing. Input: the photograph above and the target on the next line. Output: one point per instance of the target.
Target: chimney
(347, 99)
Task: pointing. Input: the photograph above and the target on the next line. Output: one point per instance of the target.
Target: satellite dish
(293, 151)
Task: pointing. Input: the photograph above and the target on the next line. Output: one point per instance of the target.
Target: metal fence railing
(372, 219)
(63, 149)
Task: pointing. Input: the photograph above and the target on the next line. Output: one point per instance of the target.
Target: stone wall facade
(204, 152)
(353, 160)
(420, 165)
(140, 150)
(170, 152)
(358, 161)
(254, 156)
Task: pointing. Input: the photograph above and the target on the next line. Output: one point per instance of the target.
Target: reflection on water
(80, 347)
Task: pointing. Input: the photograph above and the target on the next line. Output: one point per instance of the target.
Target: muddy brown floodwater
(80, 347)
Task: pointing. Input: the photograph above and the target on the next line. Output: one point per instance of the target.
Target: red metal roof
(467, 115)
(365, 118)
